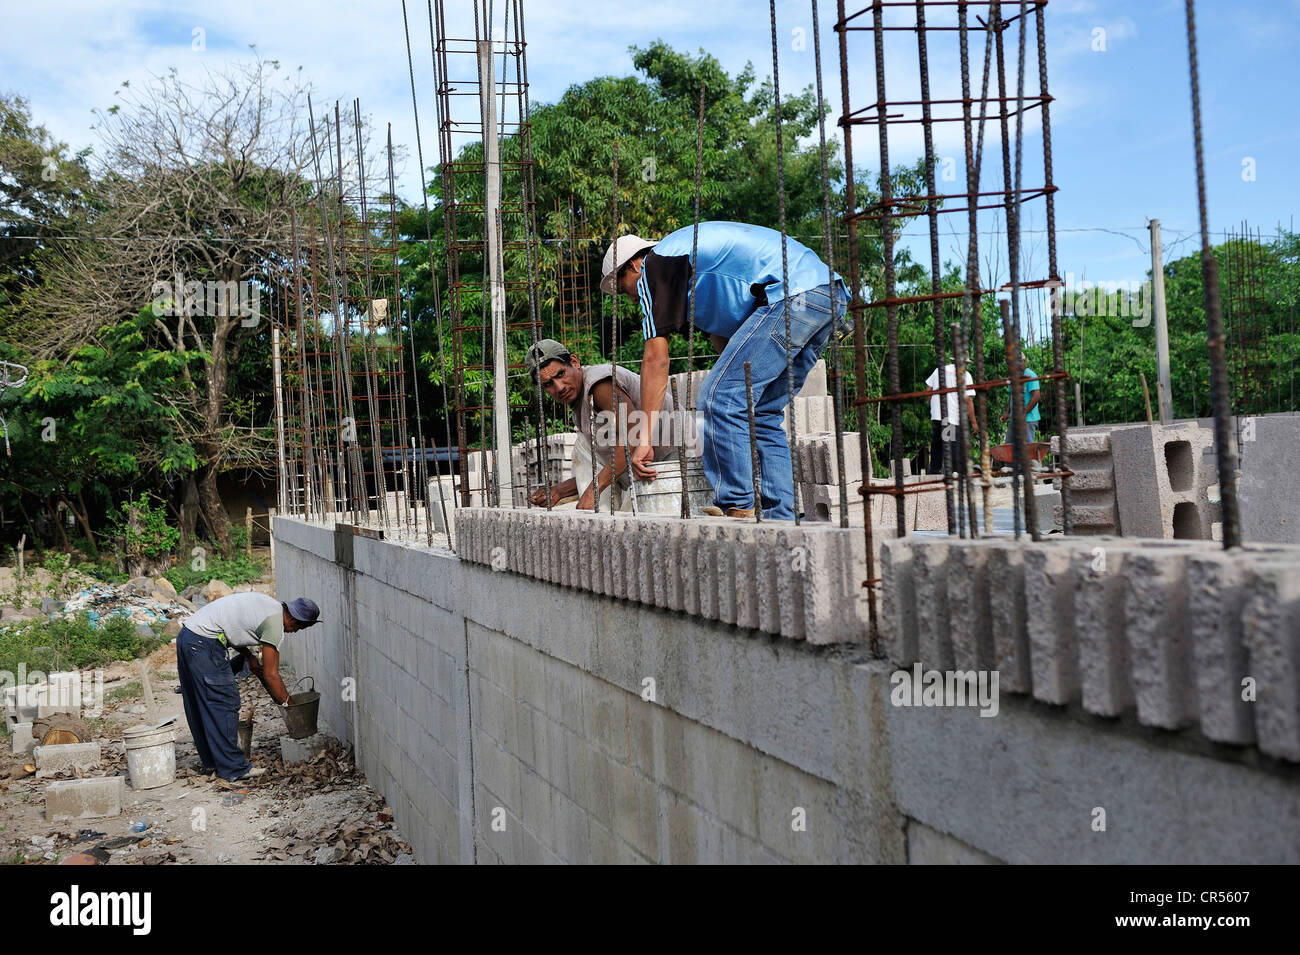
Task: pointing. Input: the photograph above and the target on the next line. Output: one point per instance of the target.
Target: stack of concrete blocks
(1187, 637)
(1092, 487)
(475, 462)
(1161, 482)
(814, 408)
(524, 464)
(802, 582)
(815, 469)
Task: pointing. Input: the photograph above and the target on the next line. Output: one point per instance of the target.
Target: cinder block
(612, 532)
(706, 569)
(968, 605)
(724, 571)
(1216, 592)
(929, 572)
(647, 540)
(1155, 617)
(898, 603)
(765, 582)
(84, 798)
(1266, 485)
(815, 384)
(834, 603)
(1271, 625)
(1008, 615)
(746, 583)
(677, 555)
(790, 571)
(22, 741)
(67, 758)
(1098, 574)
(302, 750)
(629, 534)
(1049, 623)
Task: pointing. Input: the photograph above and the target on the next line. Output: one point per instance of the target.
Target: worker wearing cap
(741, 304)
(211, 640)
(601, 446)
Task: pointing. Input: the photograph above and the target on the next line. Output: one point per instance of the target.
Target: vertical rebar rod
(887, 252)
(859, 335)
(695, 246)
(828, 244)
(756, 473)
(792, 425)
(1062, 462)
(936, 279)
(680, 414)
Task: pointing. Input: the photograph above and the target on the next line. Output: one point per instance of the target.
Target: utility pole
(492, 237)
(1164, 393)
(285, 506)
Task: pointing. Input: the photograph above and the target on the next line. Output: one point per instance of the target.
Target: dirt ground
(317, 812)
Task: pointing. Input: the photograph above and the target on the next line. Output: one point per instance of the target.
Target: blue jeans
(761, 341)
(211, 699)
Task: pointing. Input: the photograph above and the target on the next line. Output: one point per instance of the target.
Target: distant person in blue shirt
(1032, 414)
(741, 305)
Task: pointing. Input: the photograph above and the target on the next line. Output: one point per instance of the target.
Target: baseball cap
(542, 351)
(621, 251)
(303, 610)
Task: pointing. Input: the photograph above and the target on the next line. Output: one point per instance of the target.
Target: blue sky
(1121, 121)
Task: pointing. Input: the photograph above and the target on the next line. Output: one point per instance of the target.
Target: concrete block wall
(1180, 636)
(801, 582)
(552, 729)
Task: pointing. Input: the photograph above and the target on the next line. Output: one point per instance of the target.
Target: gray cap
(304, 610)
(546, 349)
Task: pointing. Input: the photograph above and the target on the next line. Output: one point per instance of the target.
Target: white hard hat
(621, 251)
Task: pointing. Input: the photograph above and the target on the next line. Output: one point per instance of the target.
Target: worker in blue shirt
(740, 303)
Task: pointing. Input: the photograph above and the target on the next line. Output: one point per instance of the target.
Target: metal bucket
(663, 495)
(150, 756)
(303, 709)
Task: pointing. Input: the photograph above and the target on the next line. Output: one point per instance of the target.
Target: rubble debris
(141, 605)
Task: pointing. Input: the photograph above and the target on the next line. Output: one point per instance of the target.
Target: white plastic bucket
(150, 756)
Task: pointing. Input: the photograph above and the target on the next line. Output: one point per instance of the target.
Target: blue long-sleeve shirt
(739, 268)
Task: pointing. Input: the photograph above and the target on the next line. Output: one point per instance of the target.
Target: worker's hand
(642, 457)
(719, 343)
(1003, 416)
(538, 497)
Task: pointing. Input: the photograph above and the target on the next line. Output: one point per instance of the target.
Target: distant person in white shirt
(943, 416)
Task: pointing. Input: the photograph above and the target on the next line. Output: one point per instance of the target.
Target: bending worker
(208, 653)
(741, 305)
(561, 376)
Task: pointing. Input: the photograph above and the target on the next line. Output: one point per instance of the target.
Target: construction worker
(563, 378)
(741, 305)
(213, 645)
(944, 416)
